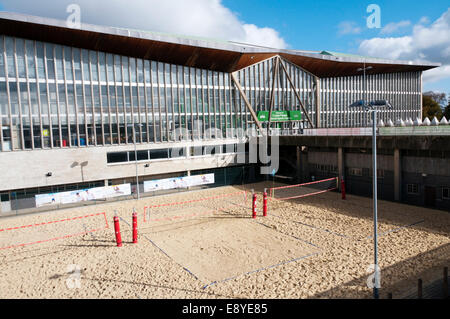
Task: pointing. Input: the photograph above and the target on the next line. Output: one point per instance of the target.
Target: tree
(447, 111)
(440, 98)
(430, 108)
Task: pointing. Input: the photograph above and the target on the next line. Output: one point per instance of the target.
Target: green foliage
(431, 108)
(447, 111)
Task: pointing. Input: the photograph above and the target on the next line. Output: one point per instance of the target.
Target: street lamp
(373, 106)
(135, 158)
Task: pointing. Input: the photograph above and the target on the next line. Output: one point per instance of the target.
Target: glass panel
(126, 74)
(50, 60)
(2, 61)
(133, 69)
(9, 43)
(68, 63)
(4, 110)
(94, 66)
(159, 154)
(40, 59)
(102, 62)
(85, 58)
(117, 69)
(59, 62)
(20, 53)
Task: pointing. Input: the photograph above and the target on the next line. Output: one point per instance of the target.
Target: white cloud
(395, 26)
(348, 27)
(424, 20)
(204, 18)
(425, 44)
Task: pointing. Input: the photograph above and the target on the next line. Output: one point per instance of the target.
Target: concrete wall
(430, 170)
(28, 169)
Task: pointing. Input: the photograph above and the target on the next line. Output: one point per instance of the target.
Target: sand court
(220, 247)
(294, 252)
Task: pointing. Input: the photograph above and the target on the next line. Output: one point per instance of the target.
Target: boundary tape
(165, 253)
(260, 269)
(397, 229)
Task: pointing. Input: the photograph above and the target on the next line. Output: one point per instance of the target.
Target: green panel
(280, 116)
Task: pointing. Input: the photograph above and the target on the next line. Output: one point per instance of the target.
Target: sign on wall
(178, 182)
(280, 116)
(96, 193)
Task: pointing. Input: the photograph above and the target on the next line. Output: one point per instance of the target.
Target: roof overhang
(225, 56)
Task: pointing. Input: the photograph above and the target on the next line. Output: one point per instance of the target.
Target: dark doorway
(430, 196)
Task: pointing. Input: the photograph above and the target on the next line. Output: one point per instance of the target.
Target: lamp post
(372, 106)
(135, 160)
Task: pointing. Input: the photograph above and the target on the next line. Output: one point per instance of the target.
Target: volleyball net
(237, 203)
(47, 231)
(304, 189)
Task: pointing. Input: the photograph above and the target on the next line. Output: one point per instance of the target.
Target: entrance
(430, 196)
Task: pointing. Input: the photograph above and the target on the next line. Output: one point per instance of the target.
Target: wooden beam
(247, 103)
(296, 93)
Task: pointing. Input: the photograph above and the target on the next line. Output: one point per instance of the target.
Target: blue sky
(410, 30)
(313, 25)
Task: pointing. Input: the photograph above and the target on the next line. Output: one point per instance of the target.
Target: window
(355, 171)
(159, 154)
(117, 157)
(380, 173)
(412, 188)
(445, 192)
(141, 155)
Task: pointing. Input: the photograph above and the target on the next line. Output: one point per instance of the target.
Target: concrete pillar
(106, 182)
(318, 102)
(397, 175)
(298, 163)
(341, 165)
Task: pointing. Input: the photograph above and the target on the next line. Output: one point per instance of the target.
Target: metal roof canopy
(225, 56)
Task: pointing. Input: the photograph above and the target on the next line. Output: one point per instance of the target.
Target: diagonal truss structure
(276, 84)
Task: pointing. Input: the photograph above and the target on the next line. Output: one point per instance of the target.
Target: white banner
(178, 182)
(97, 193)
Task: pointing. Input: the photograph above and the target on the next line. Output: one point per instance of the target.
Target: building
(77, 105)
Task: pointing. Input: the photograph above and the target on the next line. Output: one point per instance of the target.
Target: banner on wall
(96, 193)
(178, 182)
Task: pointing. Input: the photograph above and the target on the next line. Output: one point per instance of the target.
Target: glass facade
(54, 96)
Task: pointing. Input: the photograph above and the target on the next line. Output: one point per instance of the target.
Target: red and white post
(265, 202)
(135, 231)
(117, 230)
(254, 205)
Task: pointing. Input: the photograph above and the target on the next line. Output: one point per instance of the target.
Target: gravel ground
(312, 247)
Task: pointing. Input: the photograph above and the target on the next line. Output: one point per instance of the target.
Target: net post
(265, 202)
(253, 204)
(117, 229)
(343, 188)
(135, 231)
